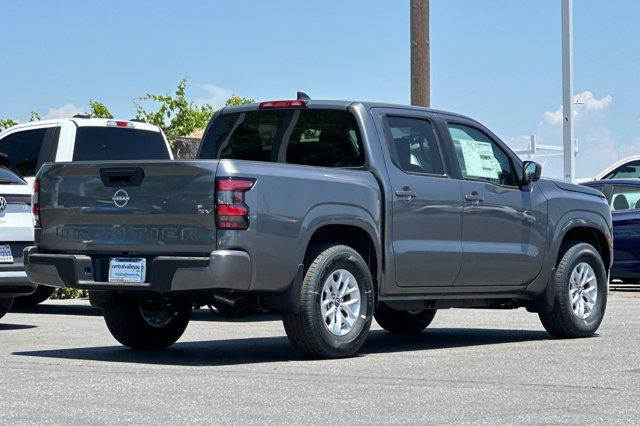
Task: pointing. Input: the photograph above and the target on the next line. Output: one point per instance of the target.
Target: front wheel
(580, 294)
(336, 304)
(146, 324)
(5, 305)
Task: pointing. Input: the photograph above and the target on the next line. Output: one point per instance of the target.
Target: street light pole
(420, 60)
(567, 91)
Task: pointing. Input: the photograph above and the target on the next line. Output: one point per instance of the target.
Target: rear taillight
(231, 210)
(35, 203)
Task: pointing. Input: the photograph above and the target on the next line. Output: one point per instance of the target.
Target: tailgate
(128, 207)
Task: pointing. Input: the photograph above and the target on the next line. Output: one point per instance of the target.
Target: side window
(23, 149)
(481, 158)
(625, 197)
(630, 170)
(413, 145)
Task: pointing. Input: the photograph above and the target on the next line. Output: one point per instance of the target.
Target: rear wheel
(146, 324)
(336, 304)
(580, 299)
(41, 294)
(5, 305)
(404, 321)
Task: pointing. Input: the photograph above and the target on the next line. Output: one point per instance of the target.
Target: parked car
(28, 146)
(627, 168)
(16, 233)
(331, 213)
(624, 200)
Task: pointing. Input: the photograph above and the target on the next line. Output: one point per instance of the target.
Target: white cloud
(597, 148)
(217, 95)
(584, 103)
(65, 111)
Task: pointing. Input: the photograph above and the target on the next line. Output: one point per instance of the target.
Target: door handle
(406, 194)
(474, 197)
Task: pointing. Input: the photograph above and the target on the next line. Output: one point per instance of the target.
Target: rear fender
(316, 218)
(339, 214)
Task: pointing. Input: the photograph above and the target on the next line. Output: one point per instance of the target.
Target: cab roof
(343, 104)
(83, 122)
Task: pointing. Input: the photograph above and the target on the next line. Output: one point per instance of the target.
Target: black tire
(5, 305)
(403, 321)
(562, 321)
(129, 326)
(307, 329)
(41, 294)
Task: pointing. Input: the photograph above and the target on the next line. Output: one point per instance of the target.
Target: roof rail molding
(82, 116)
(138, 120)
(301, 96)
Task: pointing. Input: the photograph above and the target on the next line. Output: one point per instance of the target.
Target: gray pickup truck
(330, 213)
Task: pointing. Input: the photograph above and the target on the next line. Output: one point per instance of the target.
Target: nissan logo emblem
(120, 198)
(3, 203)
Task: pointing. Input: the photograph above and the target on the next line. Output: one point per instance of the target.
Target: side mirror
(531, 172)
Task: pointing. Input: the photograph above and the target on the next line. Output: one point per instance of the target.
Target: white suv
(16, 232)
(29, 145)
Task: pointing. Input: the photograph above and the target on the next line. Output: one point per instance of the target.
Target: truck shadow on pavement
(277, 349)
(85, 309)
(5, 326)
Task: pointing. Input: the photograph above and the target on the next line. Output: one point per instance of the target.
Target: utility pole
(420, 60)
(567, 91)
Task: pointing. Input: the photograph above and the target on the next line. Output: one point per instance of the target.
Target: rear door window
(23, 148)
(413, 145)
(313, 137)
(115, 143)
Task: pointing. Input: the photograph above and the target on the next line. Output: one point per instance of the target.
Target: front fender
(583, 219)
(543, 287)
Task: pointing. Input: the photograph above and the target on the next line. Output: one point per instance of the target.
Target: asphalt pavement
(59, 364)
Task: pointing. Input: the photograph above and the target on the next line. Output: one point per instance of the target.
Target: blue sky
(497, 61)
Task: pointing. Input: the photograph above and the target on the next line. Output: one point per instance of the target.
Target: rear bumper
(223, 269)
(15, 283)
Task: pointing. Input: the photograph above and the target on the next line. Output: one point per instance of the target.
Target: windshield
(7, 177)
(629, 170)
(116, 143)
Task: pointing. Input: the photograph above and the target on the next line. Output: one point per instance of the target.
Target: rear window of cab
(115, 143)
(312, 137)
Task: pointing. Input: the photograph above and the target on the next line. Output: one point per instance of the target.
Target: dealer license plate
(125, 270)
(5, 254)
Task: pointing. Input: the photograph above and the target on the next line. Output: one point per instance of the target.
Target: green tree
(237, 100)
(34, 116)
(173, 112)
(5, 123)
(99, 110)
